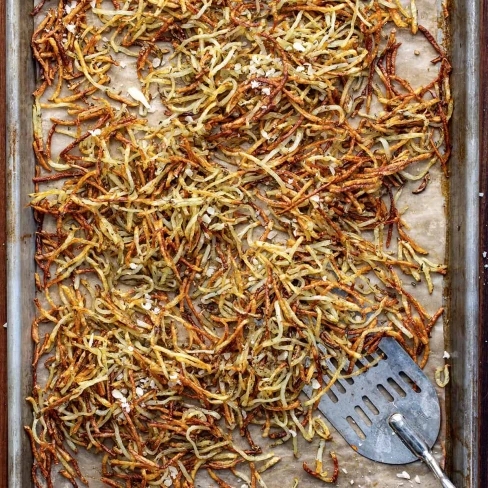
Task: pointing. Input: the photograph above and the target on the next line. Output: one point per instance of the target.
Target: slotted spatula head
(359, 408)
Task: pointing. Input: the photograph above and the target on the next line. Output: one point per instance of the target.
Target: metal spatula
(390, 413)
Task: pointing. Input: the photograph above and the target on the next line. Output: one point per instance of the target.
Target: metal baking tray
(463, 247)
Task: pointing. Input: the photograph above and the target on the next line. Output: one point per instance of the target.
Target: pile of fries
(202, 231)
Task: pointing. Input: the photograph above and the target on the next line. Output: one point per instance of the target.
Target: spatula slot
(412, 384)
(362, 415)
(334, 363)
(332, 396)
(386, 394)
(371, 406)
(395, 386)
(340, 387)
(355, 427)
(373, 360)
(380, 352)
(350, 381)
(370, 358)
(335, 389)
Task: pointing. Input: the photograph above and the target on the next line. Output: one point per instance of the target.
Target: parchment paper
(426, 215)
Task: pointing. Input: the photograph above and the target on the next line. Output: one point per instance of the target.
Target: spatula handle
(418, 446)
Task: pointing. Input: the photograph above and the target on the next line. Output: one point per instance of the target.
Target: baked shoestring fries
(189, 269)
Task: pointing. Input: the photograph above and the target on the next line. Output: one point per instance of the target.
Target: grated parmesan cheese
(138, 96)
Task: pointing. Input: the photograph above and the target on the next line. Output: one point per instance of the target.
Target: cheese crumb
(117, 394)
(446, 355)
(298, 46)
(404, 475)
(417, 479)
(69, 8)
(266, 91)
(138, 96)
(254, 84)
(156, 62)
(95, 132)
(71, 28)
(126, 406)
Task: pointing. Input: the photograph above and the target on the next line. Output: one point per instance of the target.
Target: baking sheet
(430, 233)
(427, 218)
